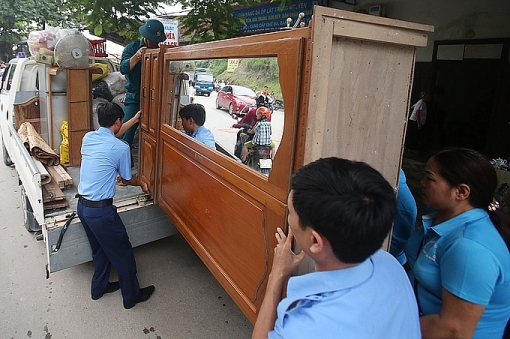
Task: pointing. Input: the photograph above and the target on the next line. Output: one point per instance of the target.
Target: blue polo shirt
(103, 157)
(203, 135)
(405, 220)
(371, 300)
(133, 76)
(468, 257)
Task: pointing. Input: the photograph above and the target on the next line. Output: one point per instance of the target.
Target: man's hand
(139, 53)
(133, 182)
(285, 260)
(137, 117)
(145, 187)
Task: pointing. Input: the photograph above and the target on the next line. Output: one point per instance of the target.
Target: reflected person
(193, 119)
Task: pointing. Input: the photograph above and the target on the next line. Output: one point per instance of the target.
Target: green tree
(19, 17)
(115, 16)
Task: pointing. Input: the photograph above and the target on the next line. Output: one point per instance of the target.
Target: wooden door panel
(230, 229)
(226, 211)
(145, 91)
(147, 168)
(154, 86)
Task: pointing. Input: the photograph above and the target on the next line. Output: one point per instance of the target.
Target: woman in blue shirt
(460, 259)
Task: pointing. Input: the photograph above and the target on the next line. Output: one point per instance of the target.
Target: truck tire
(29, 220)
(7, 158)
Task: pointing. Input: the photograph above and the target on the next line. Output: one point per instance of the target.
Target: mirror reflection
(243, 103)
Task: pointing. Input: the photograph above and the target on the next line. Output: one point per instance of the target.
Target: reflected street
(220, 123)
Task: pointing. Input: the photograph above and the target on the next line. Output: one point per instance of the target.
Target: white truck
(45, 89)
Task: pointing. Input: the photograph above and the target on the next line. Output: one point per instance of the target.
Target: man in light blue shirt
(340, 212)
(104, 157)
(193, 119)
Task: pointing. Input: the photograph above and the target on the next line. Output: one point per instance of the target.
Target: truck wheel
(7, 158)
(29, 220)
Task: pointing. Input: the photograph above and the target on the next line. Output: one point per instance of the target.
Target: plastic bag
(119, 100)
(95, 105)
(116, 81)
(104, 68)
(100, 90)
(45, 40)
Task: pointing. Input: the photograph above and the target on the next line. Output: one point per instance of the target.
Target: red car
(238, 100)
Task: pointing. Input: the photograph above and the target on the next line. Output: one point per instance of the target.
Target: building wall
(452, 20)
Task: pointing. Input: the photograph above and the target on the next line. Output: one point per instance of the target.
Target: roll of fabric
(36, 146)
(45, 175)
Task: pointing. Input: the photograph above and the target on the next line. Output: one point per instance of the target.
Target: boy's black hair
(347, 202)
(195, 111)
(108, 113)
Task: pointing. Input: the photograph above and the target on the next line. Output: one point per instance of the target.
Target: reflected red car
(239, 100)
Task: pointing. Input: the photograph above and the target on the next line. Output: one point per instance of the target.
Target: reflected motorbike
(278, 104)
(259, 158)
(242, 137)
(265, 101)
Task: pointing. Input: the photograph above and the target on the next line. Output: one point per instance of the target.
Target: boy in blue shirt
(340, 212)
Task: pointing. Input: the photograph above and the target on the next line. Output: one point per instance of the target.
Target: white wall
(451, 19)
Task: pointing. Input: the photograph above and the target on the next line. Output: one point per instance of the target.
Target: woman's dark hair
(348, 202)
(466, 166)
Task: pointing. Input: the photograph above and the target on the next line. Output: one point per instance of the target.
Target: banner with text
(171, 31)
(271, 17)
(232, 65)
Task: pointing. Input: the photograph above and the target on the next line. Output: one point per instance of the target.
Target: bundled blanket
(36, 146)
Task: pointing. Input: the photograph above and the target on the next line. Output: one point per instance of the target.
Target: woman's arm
(458, 319)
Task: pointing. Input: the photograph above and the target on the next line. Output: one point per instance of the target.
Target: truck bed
(122, 193)
(145, 222)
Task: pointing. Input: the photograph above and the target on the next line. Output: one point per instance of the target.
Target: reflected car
(239, 100)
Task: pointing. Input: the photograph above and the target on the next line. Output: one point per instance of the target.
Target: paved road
(188, 302)
(220, 123)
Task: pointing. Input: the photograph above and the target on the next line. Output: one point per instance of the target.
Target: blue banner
(271, 17)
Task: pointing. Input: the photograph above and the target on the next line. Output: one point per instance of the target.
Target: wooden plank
(56, 176)
(51, 205)
(51, 192)
(63, 173)
(369, 27)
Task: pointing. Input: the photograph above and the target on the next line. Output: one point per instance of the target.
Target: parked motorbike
(278, 104)
(265, 101)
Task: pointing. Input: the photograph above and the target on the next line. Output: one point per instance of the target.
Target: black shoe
(145, 294)
(112, 287)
